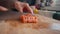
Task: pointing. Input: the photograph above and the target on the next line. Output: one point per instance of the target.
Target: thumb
(20, 9)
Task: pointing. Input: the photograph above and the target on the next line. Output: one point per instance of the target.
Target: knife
(9, 15)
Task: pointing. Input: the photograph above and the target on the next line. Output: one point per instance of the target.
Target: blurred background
(48, 8)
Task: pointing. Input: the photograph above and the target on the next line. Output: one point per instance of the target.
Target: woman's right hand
(3, 8)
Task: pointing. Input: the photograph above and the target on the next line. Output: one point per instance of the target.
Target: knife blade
(9, 15)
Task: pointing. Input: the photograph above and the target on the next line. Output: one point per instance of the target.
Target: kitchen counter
(16, 27)
(47, 13)
(55, 8)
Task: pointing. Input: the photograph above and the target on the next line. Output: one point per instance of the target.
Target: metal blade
(9, 15)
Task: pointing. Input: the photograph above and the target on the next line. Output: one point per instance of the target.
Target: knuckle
(16, 3)
(26, 4)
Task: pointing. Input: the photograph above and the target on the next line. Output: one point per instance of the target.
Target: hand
(20, 6)
(3, 8)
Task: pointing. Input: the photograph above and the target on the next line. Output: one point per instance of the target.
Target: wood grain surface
(16, 27)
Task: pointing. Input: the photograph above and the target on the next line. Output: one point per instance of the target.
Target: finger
(3, 8)
(21, 9)
(18, 7)
(28, 8)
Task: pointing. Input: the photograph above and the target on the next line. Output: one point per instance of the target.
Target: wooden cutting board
(16, 27)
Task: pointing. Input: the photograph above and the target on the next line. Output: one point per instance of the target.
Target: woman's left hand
(20, 6)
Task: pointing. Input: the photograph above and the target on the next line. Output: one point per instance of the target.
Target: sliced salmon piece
(28, 18)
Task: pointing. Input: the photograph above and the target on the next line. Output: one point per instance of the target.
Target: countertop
(16, 27)
(54, 8)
